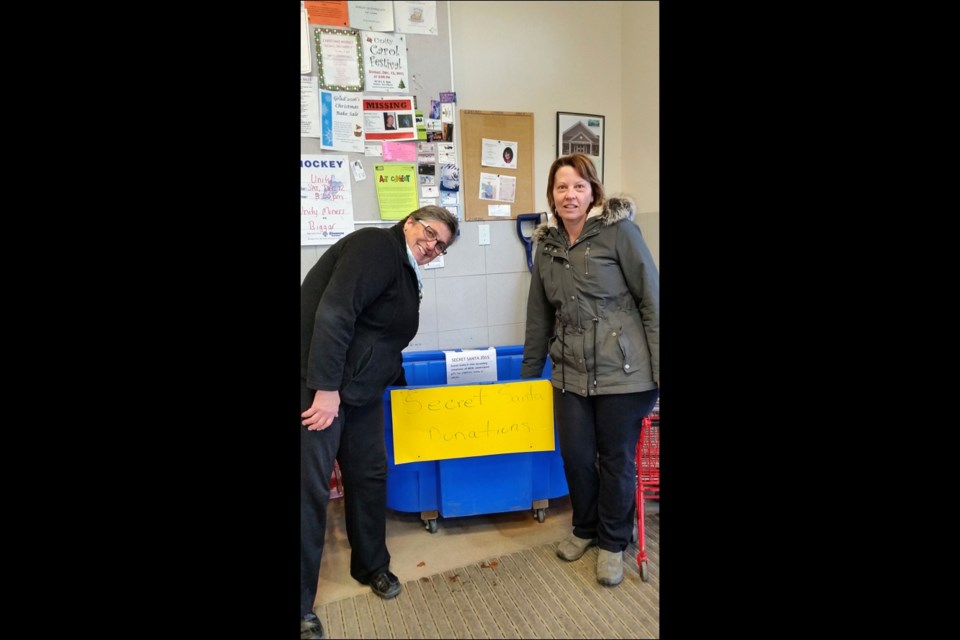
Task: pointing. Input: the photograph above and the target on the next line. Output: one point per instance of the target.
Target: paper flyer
(341, 121)
(309, 108)
(396, 189)
(389, 118)
(499, 153)
(305, 65)
(421, 127)
(471, 365)
(385, 62)
(446, 152)
(449, 177)
(428, 175)
(326, 201)
(427, 152)
(329, 13)
(497, 187)
(399, 151)
(375, 15)
(415, 17)
(339, 59)
(446, 121)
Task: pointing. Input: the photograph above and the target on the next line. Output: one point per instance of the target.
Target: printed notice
(326, 202)
(305, 65)
(446, 153)
(389, 118)
(497, 187)
(341, 115)
(339, 59)
(399, 151)
(416, 17)
(499, 153)
(385, 62)
(371, 16)
(329, 13)
(471, 365)
(396, 189)
(309, 108)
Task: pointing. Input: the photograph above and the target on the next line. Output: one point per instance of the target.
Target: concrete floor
(416, 553)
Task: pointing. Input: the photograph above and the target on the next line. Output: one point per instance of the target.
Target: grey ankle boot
(573, 547)
(310, 627)
(609, 567)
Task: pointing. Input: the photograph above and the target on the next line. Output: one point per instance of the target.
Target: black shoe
(310, 627)
(386, 585)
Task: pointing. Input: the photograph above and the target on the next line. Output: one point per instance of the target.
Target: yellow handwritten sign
(462, 421)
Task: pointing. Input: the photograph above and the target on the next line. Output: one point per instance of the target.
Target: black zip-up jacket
(359, 308)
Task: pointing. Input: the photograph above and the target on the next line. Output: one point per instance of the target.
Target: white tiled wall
(481, 292)
(478, 298)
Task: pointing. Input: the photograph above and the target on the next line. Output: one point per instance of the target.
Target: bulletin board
(495, 125)
(430, 68)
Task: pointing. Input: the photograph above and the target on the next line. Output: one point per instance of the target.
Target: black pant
(598, 443)
(355, 439)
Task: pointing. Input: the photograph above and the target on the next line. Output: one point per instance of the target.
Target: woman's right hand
(325, 407)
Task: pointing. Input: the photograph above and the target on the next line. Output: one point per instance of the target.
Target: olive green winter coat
(594, 307)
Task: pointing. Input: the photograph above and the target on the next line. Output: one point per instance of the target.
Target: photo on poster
(489, 186)
(498, 153)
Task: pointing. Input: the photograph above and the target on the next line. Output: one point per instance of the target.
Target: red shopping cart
(336, 482)
(648, 479)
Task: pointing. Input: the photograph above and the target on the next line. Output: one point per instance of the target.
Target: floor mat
(527, 594)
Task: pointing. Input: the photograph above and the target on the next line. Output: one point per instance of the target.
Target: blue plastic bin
(477, 485)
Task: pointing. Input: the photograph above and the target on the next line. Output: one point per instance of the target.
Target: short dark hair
(433, 212)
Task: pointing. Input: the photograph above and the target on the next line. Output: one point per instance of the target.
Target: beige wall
(581, 57)
(640, 78)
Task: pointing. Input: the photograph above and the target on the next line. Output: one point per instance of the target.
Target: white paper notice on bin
(476, 365)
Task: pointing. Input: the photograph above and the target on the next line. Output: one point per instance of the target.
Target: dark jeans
(598, 444)
(355, 439)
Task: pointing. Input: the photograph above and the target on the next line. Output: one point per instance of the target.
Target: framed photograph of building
(581, 133)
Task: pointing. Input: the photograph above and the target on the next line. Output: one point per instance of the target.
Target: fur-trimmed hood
(593, 305)
(613, 211)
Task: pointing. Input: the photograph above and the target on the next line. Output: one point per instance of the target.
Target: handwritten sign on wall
(463, 421)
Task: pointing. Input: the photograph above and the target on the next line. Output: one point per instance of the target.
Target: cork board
(514, 126)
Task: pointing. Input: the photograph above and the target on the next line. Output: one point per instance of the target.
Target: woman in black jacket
(359, 308)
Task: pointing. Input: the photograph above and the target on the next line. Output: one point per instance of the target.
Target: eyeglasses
(439, 246)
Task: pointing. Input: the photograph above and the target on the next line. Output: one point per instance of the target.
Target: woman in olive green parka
(593, 307)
